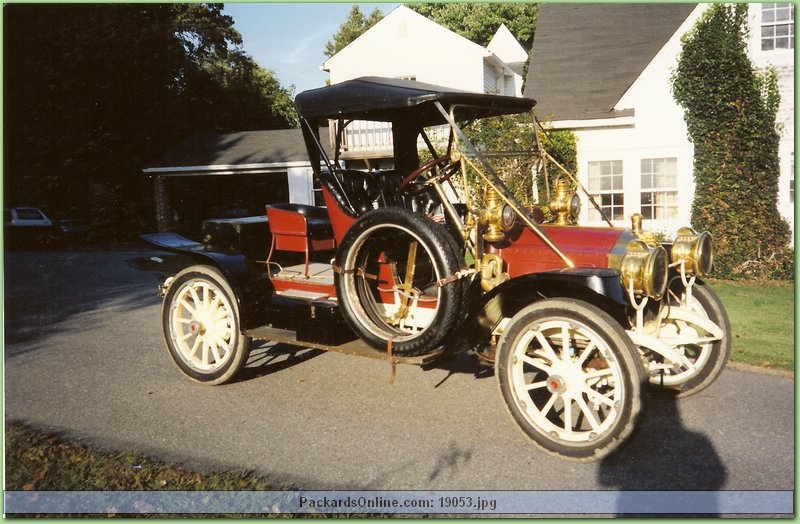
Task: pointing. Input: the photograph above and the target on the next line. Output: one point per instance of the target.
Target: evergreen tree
(355, 26)
(478, 22)
(730, 111)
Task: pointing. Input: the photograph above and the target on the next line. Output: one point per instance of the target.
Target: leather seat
(299, 228)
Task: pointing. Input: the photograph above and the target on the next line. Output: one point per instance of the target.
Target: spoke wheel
(389, 282)
(702, 362)
(201, 326)
(571, 378)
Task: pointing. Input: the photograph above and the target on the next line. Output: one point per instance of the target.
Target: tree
(512, 145)
(479, 22)
(355, 26)
(730, 111)
(95, 91)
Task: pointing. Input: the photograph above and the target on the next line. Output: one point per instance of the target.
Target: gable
(586, 56)
(507, 48)
(404, 44)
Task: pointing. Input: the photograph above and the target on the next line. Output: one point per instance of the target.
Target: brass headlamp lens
(507, 218)
(647, 268)
(574, 206)
(695, 250)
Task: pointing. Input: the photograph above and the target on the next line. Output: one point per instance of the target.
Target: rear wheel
(200, 317)
(393, 281)
(571, 378)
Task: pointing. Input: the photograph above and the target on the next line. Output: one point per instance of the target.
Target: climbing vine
(730, 109)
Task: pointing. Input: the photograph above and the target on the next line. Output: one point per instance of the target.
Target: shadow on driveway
(47, 292)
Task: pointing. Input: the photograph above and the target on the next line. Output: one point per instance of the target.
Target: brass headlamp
(498, 216)
(695, 250)
(565, 204)
(645, 267)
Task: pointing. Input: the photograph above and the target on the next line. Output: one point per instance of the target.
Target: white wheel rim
(416, 319)
(568, 396)
(202, 325)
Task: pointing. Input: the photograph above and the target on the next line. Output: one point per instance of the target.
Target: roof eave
(223, 169)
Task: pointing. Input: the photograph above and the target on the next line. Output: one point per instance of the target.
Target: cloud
(304, 50)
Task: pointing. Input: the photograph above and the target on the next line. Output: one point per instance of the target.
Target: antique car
(435, 255)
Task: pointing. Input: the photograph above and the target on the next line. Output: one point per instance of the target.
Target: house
(223, 175)
(603, 71)
(407, 45)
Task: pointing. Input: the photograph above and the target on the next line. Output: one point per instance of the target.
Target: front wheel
(704, 360)
(200, 317)
(571, 378)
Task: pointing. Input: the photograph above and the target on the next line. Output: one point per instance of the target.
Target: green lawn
(762, 321)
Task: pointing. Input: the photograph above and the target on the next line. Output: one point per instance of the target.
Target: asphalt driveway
(84, 357)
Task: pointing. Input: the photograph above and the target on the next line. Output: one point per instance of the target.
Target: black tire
(710, 358)
(380, 241)
(602, 376)
(200, 318)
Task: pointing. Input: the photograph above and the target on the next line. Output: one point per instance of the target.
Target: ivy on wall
(730, 110)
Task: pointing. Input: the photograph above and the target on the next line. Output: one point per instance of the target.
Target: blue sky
(289, 38)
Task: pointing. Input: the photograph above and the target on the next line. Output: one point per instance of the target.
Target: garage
(229, 175)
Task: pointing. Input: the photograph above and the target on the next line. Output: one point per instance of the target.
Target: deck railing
(364, 138)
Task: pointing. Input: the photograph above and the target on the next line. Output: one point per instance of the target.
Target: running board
(355, 347)
(306, 295)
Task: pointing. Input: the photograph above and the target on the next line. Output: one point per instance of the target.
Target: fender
(247, 279)
(601, 287)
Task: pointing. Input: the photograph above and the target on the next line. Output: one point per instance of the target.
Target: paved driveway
(84, 356)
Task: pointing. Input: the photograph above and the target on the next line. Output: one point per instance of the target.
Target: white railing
(363, 136)
(368, 137)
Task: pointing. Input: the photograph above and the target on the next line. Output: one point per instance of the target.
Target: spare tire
(395, 281)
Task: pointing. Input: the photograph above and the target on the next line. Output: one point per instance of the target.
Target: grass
(35, 461)
(762, 322)
(38, 461)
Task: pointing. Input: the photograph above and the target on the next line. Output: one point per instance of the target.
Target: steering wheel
(446, 172)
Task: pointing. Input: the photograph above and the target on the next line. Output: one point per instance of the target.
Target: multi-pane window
(605, 184)
(659, 199)
(777, 26)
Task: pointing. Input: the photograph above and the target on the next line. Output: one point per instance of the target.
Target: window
(659, 188)
(605, 184)
(29, 214)
(508, 83)
(777, 26)
(319, 200)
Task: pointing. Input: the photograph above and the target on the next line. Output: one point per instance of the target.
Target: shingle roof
(586, 56)
(232, 149)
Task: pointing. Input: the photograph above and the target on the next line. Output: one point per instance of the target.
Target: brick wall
(164, 221)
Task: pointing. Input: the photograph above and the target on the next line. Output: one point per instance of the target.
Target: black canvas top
(386, 99)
